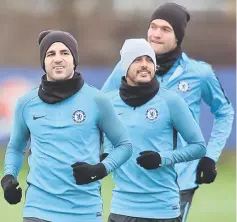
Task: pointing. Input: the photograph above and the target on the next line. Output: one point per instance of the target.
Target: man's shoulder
(112, 95)
(197, 67)
(169, 96)
(102, 97)
(90, 93)
(89, 89)
(163, 92)
(23, 100)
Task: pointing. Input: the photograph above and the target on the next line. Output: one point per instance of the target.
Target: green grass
(215, 202)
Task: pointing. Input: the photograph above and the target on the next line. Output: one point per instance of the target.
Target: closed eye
(66, 53)
(166, 29)
(138, 59)
(50, 54)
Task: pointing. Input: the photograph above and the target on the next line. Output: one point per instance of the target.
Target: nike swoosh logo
(38, 117)
(93, 177)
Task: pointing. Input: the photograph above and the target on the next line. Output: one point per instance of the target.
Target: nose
(158, 33)
(57, 58)
(144, 63)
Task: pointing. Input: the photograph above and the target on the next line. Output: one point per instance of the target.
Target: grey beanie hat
(133, 48)
(47, 38)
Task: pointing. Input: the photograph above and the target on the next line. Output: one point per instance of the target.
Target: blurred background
(101, 28)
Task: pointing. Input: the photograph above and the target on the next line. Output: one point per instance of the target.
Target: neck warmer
(167, 60)
(53, 92)
(138, 95)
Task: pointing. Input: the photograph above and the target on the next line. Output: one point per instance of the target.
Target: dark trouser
(32, 219)
(186, 201)
(122, 218)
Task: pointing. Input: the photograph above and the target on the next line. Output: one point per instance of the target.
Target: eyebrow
(164, 26)
(65, 50)
(147, 56)
(53, 51)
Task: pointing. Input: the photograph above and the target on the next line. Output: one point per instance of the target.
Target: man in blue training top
(194, 81)
(146, 189)
(63, 119)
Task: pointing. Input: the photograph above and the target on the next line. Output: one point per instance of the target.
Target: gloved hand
(12, 194)
(149, 160)
(85, 173)
(103, 156)
(206, 171)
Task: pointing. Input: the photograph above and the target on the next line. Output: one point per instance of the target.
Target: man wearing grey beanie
(145, 186)
(193, 80)
(64, 119)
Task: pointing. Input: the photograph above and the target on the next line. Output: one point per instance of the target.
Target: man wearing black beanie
(166, 33)
(194, 81)
(63, 119)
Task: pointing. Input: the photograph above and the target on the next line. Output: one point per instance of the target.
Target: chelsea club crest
(79, 116)
(151, 114)
(183, 86)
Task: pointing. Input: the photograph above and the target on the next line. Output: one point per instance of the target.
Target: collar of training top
(138, 95)
(54, 92)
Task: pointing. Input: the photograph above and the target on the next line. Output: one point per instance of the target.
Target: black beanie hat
(176, 15)
(47, 38)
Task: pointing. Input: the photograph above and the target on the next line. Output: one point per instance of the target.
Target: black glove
(85, 173)
(149, 160)
(206, 171)
(103, 156)
(12, 194)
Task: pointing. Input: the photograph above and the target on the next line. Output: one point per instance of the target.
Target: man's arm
(14, 156)
(116, 133)
(18, 142)
(214, 96)
(186, 125)
(107, 147)
(114, 79)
